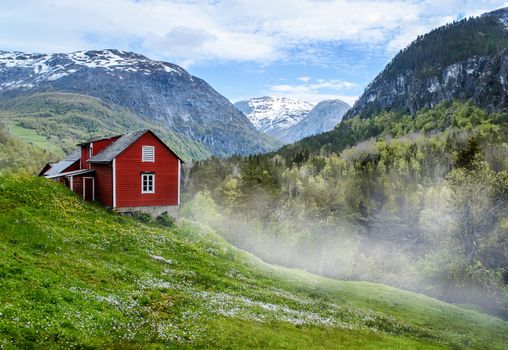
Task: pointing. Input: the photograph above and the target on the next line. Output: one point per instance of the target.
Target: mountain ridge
(290, 120)
(464, 60)
(157, 90)
(271, 114)
(325, 116)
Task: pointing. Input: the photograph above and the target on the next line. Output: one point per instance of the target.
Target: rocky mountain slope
(466, 60)
(290, 120)
(55, 121)
(158, 91)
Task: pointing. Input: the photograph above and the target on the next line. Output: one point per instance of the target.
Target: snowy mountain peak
(323, 117)
(291, 120)
(50, 67)
(274, 114)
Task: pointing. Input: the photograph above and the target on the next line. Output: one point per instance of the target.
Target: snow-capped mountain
(272, 115)
(323, 117)
(291, 120)
(160, 91)
(51, 67)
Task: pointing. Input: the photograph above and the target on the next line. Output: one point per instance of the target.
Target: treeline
(419, 202)
(456, 115)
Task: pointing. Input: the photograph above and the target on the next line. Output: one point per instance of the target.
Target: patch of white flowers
(154, 283)
(161, 259)
(245, 308)
(124, 305)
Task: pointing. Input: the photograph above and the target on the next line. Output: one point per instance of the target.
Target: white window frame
(143, 154)
(142, 182)
(93, 187)
(90, 154)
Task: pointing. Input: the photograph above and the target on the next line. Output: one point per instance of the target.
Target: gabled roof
(74, 155)
(120, 145)
(60, 166)
(98, 139)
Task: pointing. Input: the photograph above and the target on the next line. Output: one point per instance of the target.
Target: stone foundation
(172, 210)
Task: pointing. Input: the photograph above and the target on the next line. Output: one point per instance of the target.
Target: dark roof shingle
(117, 147)
(99, 138)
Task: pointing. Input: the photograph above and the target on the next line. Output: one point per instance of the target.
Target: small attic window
(148, 154)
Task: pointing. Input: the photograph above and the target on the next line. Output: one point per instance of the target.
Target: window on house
(148, 154)
(147, 183)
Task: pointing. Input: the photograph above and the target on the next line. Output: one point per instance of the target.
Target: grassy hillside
(57, 121)
(73, 275)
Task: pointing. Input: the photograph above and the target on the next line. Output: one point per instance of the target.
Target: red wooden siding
(77, 185)
(85, 155)
(98, 146)
(129, 168)
(46, 168)
(103, 184)
(72, 167)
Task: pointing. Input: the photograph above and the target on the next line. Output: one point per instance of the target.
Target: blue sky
(306, 49)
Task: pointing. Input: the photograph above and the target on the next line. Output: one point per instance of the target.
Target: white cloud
(240, 30)
(314, 90)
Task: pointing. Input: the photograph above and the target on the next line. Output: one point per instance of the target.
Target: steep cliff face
(467, 60)
(484, 80)
(155, 90)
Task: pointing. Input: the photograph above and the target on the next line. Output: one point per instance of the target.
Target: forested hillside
(418, 202)
(453, 42)
(75, 276)
(18, 156)
(464, 60)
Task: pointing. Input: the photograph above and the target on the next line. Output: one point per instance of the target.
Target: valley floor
(73, 275)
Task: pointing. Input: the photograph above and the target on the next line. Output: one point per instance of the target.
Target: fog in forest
(438, 237)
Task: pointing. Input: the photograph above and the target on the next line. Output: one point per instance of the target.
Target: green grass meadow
(74, 275)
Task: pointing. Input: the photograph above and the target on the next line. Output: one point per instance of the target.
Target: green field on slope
(56, 122)
(73, 275)
(31, 136)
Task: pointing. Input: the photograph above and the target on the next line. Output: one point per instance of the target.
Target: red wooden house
(131, 172)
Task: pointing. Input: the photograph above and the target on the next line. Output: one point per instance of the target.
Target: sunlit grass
(30, 135)
(74, 275)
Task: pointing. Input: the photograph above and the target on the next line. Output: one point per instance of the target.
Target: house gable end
(130, 169)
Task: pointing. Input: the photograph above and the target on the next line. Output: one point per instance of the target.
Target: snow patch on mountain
(274, 114)
(156, 90)
(291, 120)
(50, 67)
(323, 117)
